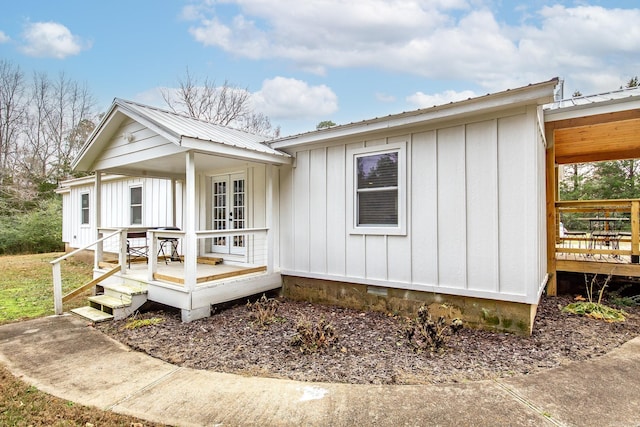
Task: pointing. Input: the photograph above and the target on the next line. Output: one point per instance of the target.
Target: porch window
(379, 185)
(84, 208)
(135, 199)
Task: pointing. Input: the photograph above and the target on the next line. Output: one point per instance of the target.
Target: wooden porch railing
(257, 245)
(618, 227)
(57, 272)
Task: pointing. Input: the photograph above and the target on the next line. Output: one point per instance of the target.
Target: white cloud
(437, 40)
(279, 98)
(385, 97)
(3, 37)
(422, 100)
(286, 98)
(51, 40)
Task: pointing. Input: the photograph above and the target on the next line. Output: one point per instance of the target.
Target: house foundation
(479, 313)
(195, 314)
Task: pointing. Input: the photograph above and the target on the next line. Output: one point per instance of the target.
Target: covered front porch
(220, 205)
(168, 278)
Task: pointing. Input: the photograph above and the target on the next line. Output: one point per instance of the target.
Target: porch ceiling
(613, 136)
(174, 166)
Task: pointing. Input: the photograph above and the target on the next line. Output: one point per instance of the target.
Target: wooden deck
(584, 260)
(173, 272)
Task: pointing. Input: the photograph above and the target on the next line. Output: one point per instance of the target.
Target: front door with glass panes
(228, 213)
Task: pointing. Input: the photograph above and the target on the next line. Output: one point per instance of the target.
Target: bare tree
(12, 114)
(226, 105)
(70, 121)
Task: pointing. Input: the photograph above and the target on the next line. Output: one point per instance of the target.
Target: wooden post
(57, 288)
(552, 285)
(635, 231)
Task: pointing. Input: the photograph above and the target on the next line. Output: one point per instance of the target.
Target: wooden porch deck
(173, 272)
(595, 263)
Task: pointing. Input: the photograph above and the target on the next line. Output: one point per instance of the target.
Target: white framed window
(135, 205)
(84, 208)
(379, 189)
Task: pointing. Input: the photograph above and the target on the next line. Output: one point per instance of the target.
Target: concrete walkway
(67, 358)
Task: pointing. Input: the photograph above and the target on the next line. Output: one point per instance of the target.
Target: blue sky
(314, 60)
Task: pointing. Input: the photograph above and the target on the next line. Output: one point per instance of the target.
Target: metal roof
(181, 126)
(593, 99)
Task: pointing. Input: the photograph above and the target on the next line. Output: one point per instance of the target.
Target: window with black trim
(84, 208)
(135, 201)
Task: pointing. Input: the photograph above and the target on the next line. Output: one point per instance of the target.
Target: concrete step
(92, 314)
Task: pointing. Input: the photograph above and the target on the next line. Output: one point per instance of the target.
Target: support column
(269, 217)
(190, 238)
(635, 231)
(551, 186)
(173, 202)
(97, 218)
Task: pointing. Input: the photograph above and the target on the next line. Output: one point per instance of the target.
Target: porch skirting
(476, 313)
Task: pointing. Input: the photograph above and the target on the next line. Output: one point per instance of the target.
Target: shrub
(425, 334)
(35, 231)
(312, 337)
(141, 323)
(264, 310)
(595, 309)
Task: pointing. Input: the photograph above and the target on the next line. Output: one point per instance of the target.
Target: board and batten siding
(73, 232)
(474, 212)
(157, 207)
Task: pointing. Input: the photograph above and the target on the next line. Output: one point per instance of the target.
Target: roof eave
(539, 93)
(225, 150)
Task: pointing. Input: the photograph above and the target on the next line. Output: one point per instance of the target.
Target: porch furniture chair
(572, 235)
(137, 246)
(169, 246)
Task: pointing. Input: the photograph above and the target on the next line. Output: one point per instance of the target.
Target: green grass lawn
(26, 291)
(26, 285)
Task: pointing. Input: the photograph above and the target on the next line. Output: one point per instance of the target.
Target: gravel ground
(368, 346)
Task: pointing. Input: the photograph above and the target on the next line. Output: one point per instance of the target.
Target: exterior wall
(256, 207)
(157, 208)
(474, 212)
(145, 144)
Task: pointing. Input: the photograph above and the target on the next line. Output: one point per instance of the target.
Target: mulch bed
(369, 348)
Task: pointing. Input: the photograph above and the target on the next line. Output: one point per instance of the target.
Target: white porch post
(269, 218)
(97, 218)
(190, 238)
(173, 202)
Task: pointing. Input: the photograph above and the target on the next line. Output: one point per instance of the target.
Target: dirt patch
(369, 348)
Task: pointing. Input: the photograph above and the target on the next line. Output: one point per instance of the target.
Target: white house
(444, 204)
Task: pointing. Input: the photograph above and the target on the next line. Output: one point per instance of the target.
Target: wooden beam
(591, 120)
(598, 142)
(635, 231)
(91, 284)
(594, 267)
(550, 187)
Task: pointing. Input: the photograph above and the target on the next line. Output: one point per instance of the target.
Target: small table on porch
(169, 246)
(605, 231)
